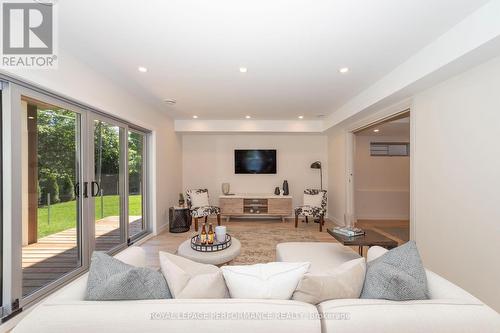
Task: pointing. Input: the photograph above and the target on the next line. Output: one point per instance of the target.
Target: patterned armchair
(315, 210)
(198, 204)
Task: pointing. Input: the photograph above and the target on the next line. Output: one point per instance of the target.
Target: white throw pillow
(189, 279)
(275, 280)
(313, 200)
(344, 281)
(199, 199)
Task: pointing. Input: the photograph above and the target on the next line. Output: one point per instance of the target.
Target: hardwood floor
(259, 237)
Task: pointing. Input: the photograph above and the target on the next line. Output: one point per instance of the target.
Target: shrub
(66, 189)
(49, 185)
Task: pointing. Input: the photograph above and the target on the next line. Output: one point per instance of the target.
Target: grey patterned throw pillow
(397, 275)
(110, 280)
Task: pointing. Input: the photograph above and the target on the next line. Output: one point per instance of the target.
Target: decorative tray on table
(216, 246)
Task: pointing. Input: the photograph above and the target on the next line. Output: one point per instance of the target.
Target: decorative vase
(286, 190)
(277, 190)
(225, 188)
(181, 200)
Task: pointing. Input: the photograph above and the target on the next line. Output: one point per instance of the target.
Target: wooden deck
(56, 255)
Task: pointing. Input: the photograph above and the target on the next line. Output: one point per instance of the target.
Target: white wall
(382, 183)
(75, 79)
(336, 139)
(208, 161)
(456, 182)
(457, 179)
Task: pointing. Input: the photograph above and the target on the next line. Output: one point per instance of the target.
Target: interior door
(107, 187)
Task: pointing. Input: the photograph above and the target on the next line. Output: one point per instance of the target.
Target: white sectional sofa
(450, 308)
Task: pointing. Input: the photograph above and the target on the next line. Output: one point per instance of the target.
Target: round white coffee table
(213, 258)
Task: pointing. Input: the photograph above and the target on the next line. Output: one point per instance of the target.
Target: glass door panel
(108, 185)
(51, 207)
(136, 221)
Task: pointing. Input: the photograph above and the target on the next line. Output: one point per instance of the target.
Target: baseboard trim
(161, 229)
(379, 218)
(336, 220)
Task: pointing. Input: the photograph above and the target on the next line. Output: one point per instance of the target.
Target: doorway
(381, 177)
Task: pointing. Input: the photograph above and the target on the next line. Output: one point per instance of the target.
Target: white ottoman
(213, 258)
(322, 256)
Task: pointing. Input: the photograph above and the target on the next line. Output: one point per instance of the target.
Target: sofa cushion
(189, 279)
(275, 280)
(322, 256)
(429, 316)
(173, 315)
(396, 275)
(344, 281)
(112, 279)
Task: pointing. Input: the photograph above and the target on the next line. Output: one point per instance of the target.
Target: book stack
(348, 231)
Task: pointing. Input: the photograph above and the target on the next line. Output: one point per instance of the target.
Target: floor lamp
(317, 165)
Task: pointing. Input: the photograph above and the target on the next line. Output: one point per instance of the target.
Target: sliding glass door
(108, 185)
(136, 178)
(51, 206)
(74, 183)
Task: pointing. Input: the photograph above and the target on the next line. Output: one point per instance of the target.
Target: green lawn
(63, 215)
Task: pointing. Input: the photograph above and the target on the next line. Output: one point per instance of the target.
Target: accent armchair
(314, 205)
(199, 206)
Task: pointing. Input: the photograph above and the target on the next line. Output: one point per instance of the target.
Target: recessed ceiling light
(301, 117)
(195, 117)
(344, 70)
(243, 69)
(376, 130)
(170, 101)
(248, 117)
(142, 69)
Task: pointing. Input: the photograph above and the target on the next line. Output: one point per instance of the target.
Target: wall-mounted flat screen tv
(255, 161)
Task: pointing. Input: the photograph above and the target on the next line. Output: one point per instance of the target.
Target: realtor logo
(28, 34)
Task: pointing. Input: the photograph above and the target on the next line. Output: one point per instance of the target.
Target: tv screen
(254, 161)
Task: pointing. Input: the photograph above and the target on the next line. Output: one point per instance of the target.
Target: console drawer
(282, 206)
(231, 206)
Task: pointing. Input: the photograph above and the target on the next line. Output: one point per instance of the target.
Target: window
(76, 182)
(389, 149)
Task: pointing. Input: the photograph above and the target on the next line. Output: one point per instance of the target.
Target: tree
(66, 189)
(49, 186)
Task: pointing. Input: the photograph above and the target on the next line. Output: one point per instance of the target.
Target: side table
(179, 219)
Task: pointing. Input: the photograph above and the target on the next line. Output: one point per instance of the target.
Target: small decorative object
(317, 165)
(197, 245)
(349, 220)
(277, 191)
(220, 232)
(286, 190)
(225, 188)
(181, 199)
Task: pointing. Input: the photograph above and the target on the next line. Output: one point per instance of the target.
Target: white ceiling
(292, 49)
(395, 128)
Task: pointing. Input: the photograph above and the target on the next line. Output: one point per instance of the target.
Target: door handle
(76, 189)
(85, 190)
(96, 193)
